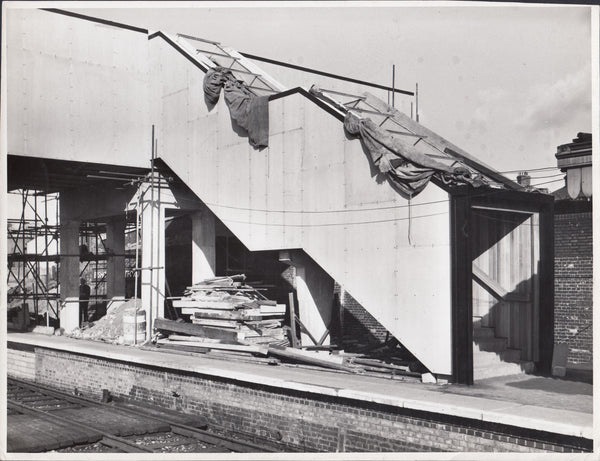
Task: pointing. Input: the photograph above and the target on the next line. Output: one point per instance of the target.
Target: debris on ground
(43, 330)
(110, 327)
(224, 317)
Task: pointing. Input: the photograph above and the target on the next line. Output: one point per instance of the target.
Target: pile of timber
(194, 339)
(228, 318)
(226, 308)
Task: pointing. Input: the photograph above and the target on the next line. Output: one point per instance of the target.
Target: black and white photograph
(300, 230)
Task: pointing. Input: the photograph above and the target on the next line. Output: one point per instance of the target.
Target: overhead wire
(334, 224)
(345, 210)
(527, 170)
(308, 212)
(551, 176)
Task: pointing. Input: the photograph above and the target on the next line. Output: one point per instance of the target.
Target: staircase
(492, 357)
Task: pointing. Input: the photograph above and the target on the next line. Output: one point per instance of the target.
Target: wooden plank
(201, 304)
(495, 288)
(293, 321)
(241, 314)
(195, 330)
(305, 330)
(378, 364)
(216, 323)
(176, 347)
(268, 302)
(323, 337)
(289, 353)
(197, 342)
(277, 309)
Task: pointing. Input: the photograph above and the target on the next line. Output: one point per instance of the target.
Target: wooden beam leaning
(305, 330)
(495, 288)
(195, 330)
(293, 321)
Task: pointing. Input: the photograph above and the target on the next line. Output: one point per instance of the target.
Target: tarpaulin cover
(408, 169)
(251, 112)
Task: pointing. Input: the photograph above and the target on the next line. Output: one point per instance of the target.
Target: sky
(506, 83)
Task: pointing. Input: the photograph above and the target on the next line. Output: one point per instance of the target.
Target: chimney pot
(524, 179)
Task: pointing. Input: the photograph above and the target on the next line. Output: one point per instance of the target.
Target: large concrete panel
(313, 188)
(77, 90)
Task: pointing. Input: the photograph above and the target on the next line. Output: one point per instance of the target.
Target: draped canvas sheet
(408, 169)
(251, 112)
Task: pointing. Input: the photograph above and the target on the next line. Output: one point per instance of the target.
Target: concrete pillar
(203, 245)
(153, 257)
(314, 288)
(115, 267)
(69, 273)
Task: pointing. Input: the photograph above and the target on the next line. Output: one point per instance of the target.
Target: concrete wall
(81, 91)
(312, 188)
(77, 90)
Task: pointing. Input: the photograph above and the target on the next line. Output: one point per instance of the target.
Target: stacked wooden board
(228, 318)
(227, 308)
(188, 338)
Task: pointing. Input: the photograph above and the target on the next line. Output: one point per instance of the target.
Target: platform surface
(532, 402)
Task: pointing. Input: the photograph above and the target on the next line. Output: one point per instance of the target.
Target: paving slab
(514, 402)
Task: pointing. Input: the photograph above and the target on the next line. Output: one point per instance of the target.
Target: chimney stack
(524, 179)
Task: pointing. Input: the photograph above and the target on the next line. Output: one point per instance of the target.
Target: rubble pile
(110, 327)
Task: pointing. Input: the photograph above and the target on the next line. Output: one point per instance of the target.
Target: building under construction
(149, 163)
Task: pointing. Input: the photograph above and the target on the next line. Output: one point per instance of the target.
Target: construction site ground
(561, 406)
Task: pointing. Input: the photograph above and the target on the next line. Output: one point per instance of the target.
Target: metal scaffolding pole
(25, 280)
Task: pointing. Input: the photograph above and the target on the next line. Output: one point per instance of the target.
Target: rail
(41, 402)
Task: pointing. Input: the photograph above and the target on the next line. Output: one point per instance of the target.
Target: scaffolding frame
(31, 284)
(33, 277)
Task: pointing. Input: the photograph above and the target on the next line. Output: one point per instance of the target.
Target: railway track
(42, 419)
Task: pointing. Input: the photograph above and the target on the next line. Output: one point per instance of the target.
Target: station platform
(531, 402)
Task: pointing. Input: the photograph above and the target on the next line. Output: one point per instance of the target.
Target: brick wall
(357, 323)
(573, 285)
(20, 363)
(304, 421)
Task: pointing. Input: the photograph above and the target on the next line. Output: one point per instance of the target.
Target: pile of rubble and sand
(110, 327)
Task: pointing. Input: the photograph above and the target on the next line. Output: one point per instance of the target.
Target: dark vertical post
(149, 324)
(393, 85)
(47, 279)
(24, 243)
(293, 321)
(546, 274)
(36, 277)
(462, 299)
(417, 102)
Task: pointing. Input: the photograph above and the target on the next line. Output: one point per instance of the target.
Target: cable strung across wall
(335, 224)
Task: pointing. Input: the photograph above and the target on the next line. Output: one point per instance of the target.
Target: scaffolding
(34, 258)
(33, 242)
(93, 256)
